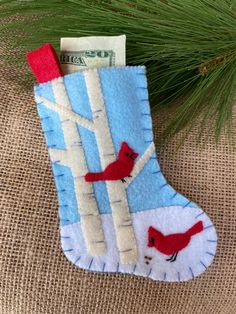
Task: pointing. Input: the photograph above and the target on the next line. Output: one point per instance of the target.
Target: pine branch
(188, 46)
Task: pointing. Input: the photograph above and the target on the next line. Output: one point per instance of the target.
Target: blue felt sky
(126, 98)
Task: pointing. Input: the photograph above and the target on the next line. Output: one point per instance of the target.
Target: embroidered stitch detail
(156, 172)
(201, 262)
(211, 226)
(69, 250)
(209, 253)
(187, 204)
(77, 259)
(191, 271)
(134, 269)
(174, 195)
(90, 264)
(161, 187)
(148, 275)
(199, 214)
(104, 265)
(172, 244)
(117, 267)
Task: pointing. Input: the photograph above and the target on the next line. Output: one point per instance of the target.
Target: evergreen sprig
(188, 46)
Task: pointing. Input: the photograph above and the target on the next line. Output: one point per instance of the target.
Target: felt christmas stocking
(117, 211)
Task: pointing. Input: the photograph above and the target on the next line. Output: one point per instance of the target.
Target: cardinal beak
(134, 156)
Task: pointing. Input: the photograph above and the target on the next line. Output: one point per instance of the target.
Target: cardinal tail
(93, 177)
(198, 227)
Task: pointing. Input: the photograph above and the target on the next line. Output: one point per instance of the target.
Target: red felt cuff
(44, 63)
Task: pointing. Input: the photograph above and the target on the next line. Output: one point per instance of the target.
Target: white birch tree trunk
(74, 158)
(125, 236)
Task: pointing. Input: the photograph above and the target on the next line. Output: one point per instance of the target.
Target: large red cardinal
(171, 244)
(118, 169)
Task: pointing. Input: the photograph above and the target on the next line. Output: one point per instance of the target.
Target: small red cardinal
(171, 244)
(118, 169)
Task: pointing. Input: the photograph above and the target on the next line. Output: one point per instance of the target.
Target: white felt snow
(190, 262)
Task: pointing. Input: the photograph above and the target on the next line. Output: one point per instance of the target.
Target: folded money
(80, 53)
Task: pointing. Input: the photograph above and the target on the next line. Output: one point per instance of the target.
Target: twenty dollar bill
(80, 53)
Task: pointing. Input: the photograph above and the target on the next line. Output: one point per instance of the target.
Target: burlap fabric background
(35, 276)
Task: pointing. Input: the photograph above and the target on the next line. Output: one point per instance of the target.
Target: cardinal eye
(127, 154)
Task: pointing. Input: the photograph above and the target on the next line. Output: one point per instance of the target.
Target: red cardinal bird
(118, 169)
(171, 244)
